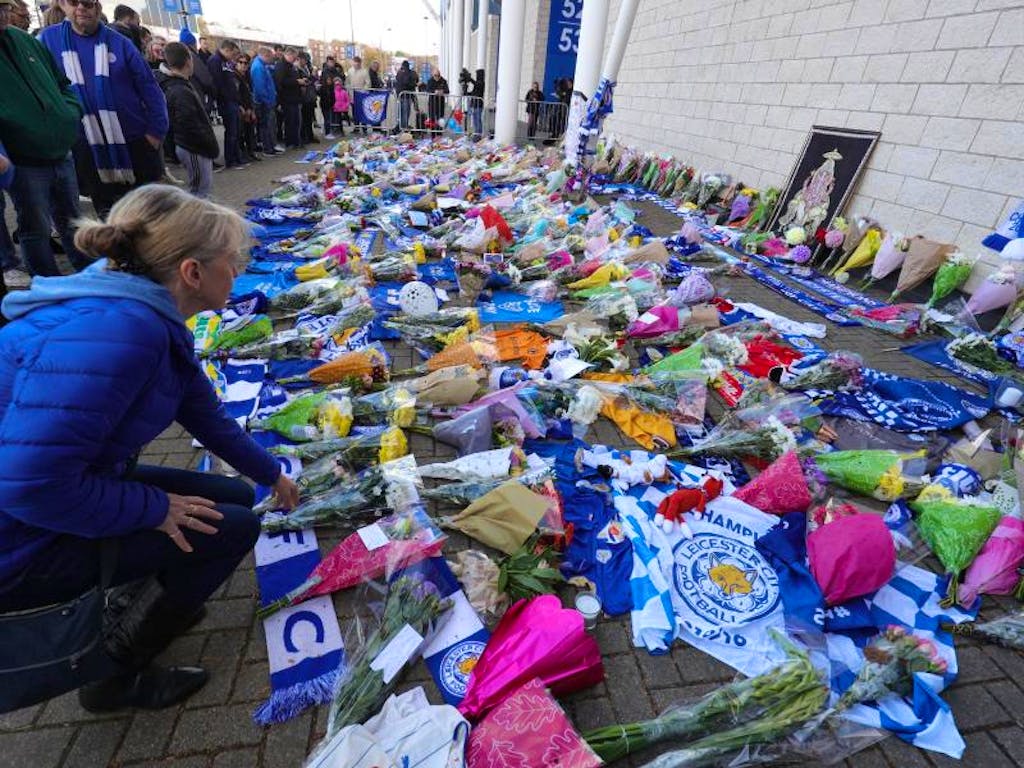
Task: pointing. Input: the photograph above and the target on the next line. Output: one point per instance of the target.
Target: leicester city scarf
(904, 405)
(99, 121)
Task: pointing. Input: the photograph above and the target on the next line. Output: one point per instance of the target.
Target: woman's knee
(240, 527)
(232, 491)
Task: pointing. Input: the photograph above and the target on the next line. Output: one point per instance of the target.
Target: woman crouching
(93, 367)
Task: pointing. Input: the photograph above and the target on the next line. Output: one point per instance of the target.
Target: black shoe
(152, 688)
(140, 622)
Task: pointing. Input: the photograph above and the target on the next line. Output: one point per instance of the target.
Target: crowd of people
(74, 123)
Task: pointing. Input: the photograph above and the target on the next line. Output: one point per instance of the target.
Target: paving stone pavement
(214, 728)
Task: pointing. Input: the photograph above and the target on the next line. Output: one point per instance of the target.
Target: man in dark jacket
(127, 22)
(437, 87)
(194, 141)
(222, 69)
(39, 117)
(405, 82)
(289, 94)
(375, 79)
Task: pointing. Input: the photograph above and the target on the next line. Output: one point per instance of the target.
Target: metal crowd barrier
(451, 114)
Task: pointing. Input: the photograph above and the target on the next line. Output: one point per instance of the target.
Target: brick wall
(734, 85)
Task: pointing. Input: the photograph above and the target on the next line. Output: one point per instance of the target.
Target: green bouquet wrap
(950, 276)
(875, 473)
(955, 530)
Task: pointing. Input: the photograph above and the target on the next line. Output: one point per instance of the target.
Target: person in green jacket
(39, 117)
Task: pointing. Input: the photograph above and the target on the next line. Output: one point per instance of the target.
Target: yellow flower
(935, 492)
(613, 235)
(473, 321)
(890, 485)
(334, 419)
(419, 252)
(635, 241)
(749, 192)
(457, 336)
(393, 445)
(404, 414)
(376, 192)
(313, 271)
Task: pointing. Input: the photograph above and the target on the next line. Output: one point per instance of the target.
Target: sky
(398, 24)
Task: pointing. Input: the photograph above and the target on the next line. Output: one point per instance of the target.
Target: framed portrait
(824, 177)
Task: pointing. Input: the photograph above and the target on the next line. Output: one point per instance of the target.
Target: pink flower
(834, 238)
(690, 233)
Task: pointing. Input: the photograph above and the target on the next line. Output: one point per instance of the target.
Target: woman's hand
(184, 512)
(286, 491)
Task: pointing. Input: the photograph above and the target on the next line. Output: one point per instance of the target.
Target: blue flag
(510, 307)
(905, 405)
(369, 107)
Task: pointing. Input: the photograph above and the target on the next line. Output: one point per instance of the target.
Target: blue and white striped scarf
(99, 119)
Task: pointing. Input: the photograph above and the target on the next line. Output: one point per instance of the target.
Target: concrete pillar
(510, 59)
(590, 53)
(481, 36)
(620, 37)
(467, 38)
(455, 19)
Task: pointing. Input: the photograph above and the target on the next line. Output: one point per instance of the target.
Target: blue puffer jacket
(92, 367)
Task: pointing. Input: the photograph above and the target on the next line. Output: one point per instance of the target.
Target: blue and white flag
(238, 384)
(369, 107)
(510, 307)
(904, 405)
(911, 600)
(452, 653)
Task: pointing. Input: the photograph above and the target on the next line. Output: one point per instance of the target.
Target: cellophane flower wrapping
(851, 556)
(469, 433)
(998, 290)
(528, 728)
(950, 276)
(779, 489)
(868, 472)
(379, 648)
(994, 570)
(535, 639)
(955, 530)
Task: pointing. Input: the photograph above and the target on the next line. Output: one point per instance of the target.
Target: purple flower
(740, 207)
(800, 254)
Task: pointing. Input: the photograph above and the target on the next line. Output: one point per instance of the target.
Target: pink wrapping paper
(528, 730)
(994, 570)
(535, 638)
(851, 557)
(779, 489)
(654, 322)
(991, 296)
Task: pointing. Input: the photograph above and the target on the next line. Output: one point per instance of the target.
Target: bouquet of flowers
(312, 416)
(355, 451)
(998, 290)
(412, 603)
(876, 473)
(396, 268)
(767, 441)
(951, 275)
(840, 370)
(530, 571)
(248, 329)
(284, 345)
(396, 405)
(1007, 631)
(729, 706)
(362, 496)
(369, 361)
(955, 530)
(979, 351)
(901, 320)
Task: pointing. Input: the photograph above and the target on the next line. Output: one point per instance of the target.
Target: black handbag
(57, 648)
